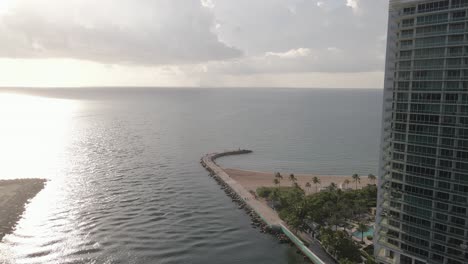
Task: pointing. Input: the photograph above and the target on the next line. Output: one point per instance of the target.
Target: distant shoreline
(14, 195)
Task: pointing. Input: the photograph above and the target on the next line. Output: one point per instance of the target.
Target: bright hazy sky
(209, 43)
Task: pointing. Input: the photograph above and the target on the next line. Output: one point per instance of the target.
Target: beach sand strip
(252, 180)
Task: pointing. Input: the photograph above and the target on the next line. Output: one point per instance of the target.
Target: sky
(194, 43)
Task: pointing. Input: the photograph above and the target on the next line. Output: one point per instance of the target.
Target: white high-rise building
(422, 212)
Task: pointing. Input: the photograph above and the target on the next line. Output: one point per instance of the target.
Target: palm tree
(316, 181)
(308, 186)
(332, 186)
(356, 179)
(362, 228)
(297, 186)
(276, 182)
(371, 178)
(346, 182)
(279, 177)
(292, 178)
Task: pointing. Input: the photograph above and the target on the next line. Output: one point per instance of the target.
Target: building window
(458, 210)
(438, 247)
(458, 221)
(459, 3)
(459, 199)
(442, 206)
(434, 6)
(459, 14)
(444, 185)
(438, 258)
(451, 261)
(408, 22)
(409, 10)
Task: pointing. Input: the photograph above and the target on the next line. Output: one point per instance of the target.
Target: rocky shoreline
(244, 199)
(257, 221)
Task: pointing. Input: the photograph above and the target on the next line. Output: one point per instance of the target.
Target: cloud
(352, 3)
(263, 26)
(118, 31)
(290, 54)
(298, 60)
(207, 3)
(201, 41)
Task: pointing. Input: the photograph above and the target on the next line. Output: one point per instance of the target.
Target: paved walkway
(315, 247)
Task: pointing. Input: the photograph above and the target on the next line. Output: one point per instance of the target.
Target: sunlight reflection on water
(34, 134)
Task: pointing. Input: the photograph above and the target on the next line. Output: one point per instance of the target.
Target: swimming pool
(369, 232)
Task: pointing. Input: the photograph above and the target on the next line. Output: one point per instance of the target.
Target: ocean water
(125, 185)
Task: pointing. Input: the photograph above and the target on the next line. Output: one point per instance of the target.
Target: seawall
(250, 202)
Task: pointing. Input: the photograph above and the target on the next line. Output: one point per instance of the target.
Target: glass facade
(423, 175)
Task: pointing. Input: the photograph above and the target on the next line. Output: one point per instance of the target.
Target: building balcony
(457, 54)
(435, 9)
(384, 243)
(440, 33)
(425, 23)
(429, 78)
(456, 66)
(459, 6)
(425, 45)
(430, 56)
(404, 57)
(406, 47)
(407, 25)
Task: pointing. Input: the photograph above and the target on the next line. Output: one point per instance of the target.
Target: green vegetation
(329, 209)
(362, 227)
(368, 253)
(264, 192)
(339, 244)
(333, 207)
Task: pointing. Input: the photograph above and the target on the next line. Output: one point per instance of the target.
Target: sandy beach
(251, 180)
(14, 194)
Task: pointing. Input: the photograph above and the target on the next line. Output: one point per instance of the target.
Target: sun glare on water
(34, 132)
(35, 135)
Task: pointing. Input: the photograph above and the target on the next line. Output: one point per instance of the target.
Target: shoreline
(14, 196)
(252, 180)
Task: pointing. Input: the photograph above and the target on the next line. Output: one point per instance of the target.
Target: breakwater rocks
(263, 217)
(242, 203)
(257, 221)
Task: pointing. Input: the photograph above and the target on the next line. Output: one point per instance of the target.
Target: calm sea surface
(125, 185)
